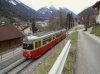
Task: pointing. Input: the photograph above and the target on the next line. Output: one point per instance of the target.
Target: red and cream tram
(37, 44)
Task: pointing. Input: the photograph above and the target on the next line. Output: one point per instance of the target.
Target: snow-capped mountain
(15, 8)
(45, 12)
(68, 11)
(14, 2)
(11, 1)
(31, 12)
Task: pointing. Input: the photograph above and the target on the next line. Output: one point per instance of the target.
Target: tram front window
(27, 46)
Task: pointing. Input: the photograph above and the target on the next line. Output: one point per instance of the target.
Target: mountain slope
(9, 10)
(16, 9)
(31, 12)
(87, 17)
(45, 12)
(86, 11)
(68, 11)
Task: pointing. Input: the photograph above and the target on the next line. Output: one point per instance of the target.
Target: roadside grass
(47, 64)
(71, 59)
(96, 30)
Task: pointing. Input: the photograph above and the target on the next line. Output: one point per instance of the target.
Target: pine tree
(34, 28)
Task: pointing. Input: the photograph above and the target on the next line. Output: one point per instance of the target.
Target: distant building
(42, 25)
(97, 8)
(27, 31)
(10, 37)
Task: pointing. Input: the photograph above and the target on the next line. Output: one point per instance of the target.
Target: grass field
(71, 59)
(96, 30)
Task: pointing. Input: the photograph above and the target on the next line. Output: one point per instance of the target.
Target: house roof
(8, 32)
(97, 4)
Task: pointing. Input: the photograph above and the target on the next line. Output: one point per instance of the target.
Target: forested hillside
(87, 17)
(9, 10)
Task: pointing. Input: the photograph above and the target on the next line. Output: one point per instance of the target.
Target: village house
(42, 25)
(97, 8)
(10, 37)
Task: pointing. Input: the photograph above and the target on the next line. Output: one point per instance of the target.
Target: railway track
(24, 66)
(16, 67)
(19, 68)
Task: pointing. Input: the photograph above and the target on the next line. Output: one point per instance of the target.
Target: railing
(59, 64)
(8, 54)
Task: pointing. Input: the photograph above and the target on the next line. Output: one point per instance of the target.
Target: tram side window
(59, 35)
(37, 44)
(56, 35)
(49, 39)
(46, 40)
(33, 45)
(27, 46)
(53, 37)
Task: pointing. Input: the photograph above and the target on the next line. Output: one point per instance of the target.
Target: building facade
(10, 37)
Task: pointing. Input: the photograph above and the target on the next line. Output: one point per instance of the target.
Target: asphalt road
(88, 55)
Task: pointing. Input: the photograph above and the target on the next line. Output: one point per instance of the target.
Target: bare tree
(69, 21)
(87, 17)
(57, 20)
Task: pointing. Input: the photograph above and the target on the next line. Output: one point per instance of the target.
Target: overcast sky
(74, 5)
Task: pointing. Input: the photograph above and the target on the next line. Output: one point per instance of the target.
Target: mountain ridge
(15, 8)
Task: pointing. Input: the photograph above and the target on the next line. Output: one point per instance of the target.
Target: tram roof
(42, 35)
